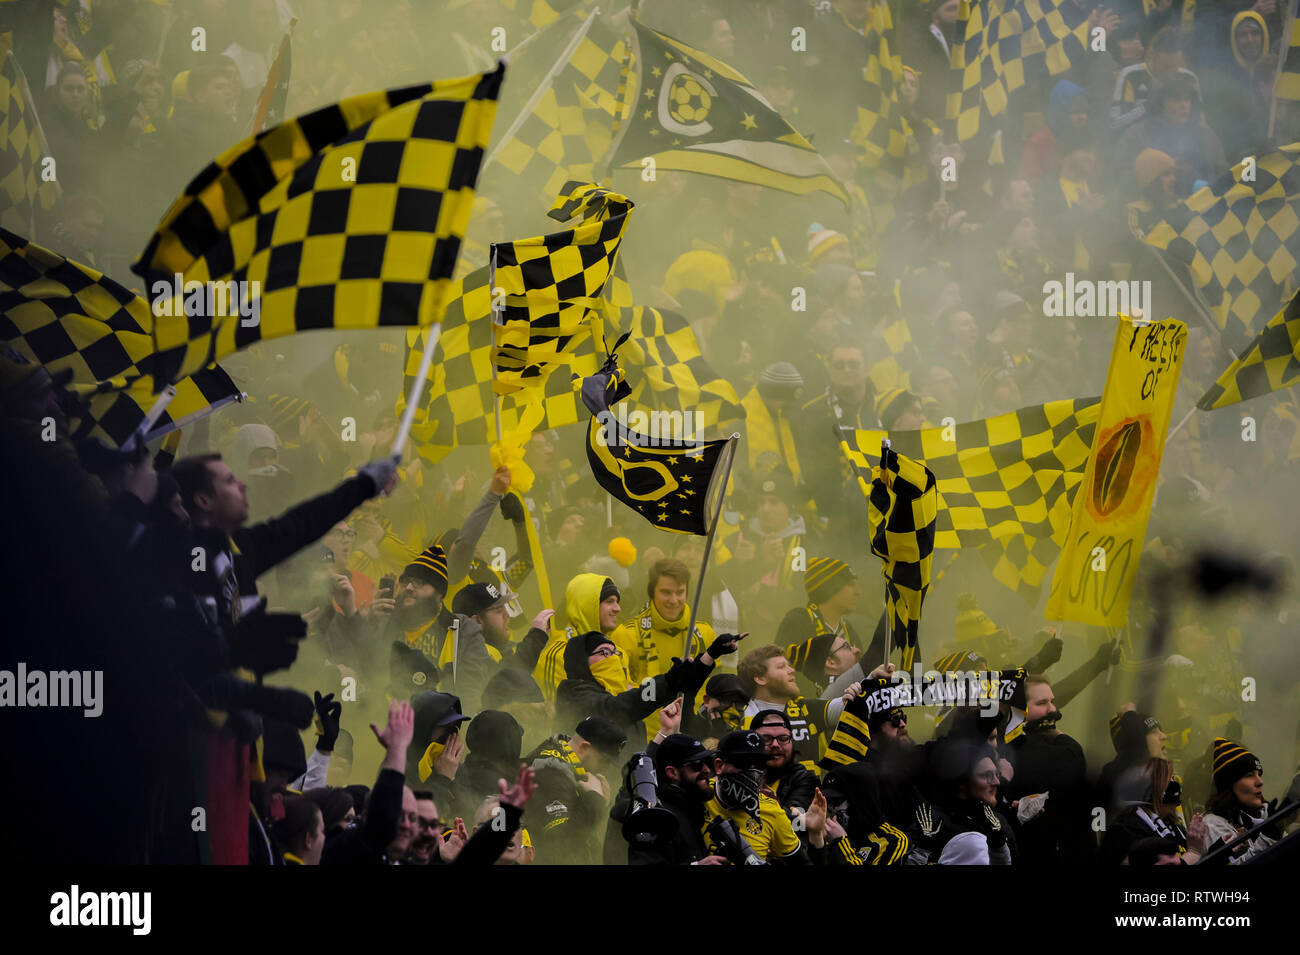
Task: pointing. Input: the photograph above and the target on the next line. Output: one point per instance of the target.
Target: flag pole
(1196, 303)
(1282, 47)
(889, 618)
(542, 86)
(496, 321)
(178, 423)
(730, 451)
(408, 415)
(1187, 417)
(151, 418)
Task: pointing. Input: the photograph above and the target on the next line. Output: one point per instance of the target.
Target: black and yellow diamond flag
(665, 479)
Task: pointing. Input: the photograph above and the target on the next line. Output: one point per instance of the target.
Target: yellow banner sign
(1094, 577)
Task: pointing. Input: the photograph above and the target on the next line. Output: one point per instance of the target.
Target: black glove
(1108, 652)
(266, 642)
(328, 713)
(512, 508)
(1051, 651)
(994, 830)
(722, 644)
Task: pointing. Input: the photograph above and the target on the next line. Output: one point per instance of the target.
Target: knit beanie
(431, 567)
(1150, 165)
(824, 578)
(1231, 761)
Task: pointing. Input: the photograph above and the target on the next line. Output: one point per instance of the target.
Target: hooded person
(495, 742)
(573, 791)
(1067, 121)
(597, 683)
(437, 720)
(1175, 126)
(591, 605)
(1237, 805)
(1238, 92)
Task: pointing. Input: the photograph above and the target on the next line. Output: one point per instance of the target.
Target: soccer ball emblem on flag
(689, 98)
(685, 101)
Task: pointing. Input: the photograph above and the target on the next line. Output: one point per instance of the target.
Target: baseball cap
(604, 735)
(476, 598)
(678, 750)
(743, 748)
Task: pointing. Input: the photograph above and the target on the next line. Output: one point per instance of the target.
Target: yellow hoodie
(765, 433)
(651, 642)
(582, 608)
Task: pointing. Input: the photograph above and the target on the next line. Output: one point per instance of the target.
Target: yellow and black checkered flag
(565, 130)
(22, 150)
(672, 375)
(998, 479)
(348, 217)
(881, 130)
(542, 13)
(1005, 46)
(1271, 363)
(902, 509)
(69, 317)
(113, 411)
(552, 284)
(1239, 238)
(459, 405)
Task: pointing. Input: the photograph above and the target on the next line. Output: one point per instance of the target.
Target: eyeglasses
(604, 651)
(704, 768)
(781, 740)
(429, 823)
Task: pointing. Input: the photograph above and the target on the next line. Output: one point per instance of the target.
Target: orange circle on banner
(1126, 467)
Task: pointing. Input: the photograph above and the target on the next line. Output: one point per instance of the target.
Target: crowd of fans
(509, 730)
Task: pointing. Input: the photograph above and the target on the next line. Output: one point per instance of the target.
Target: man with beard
(453, 639)
(684, 768)
(874, 798)
(743, 821)
(792, 782)
(818, 638)
(488, 606)
(1049, 787)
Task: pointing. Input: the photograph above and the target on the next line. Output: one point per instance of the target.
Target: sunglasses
(899, 720)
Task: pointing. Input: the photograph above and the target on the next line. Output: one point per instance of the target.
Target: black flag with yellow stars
(694, 113)
(663, 479)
